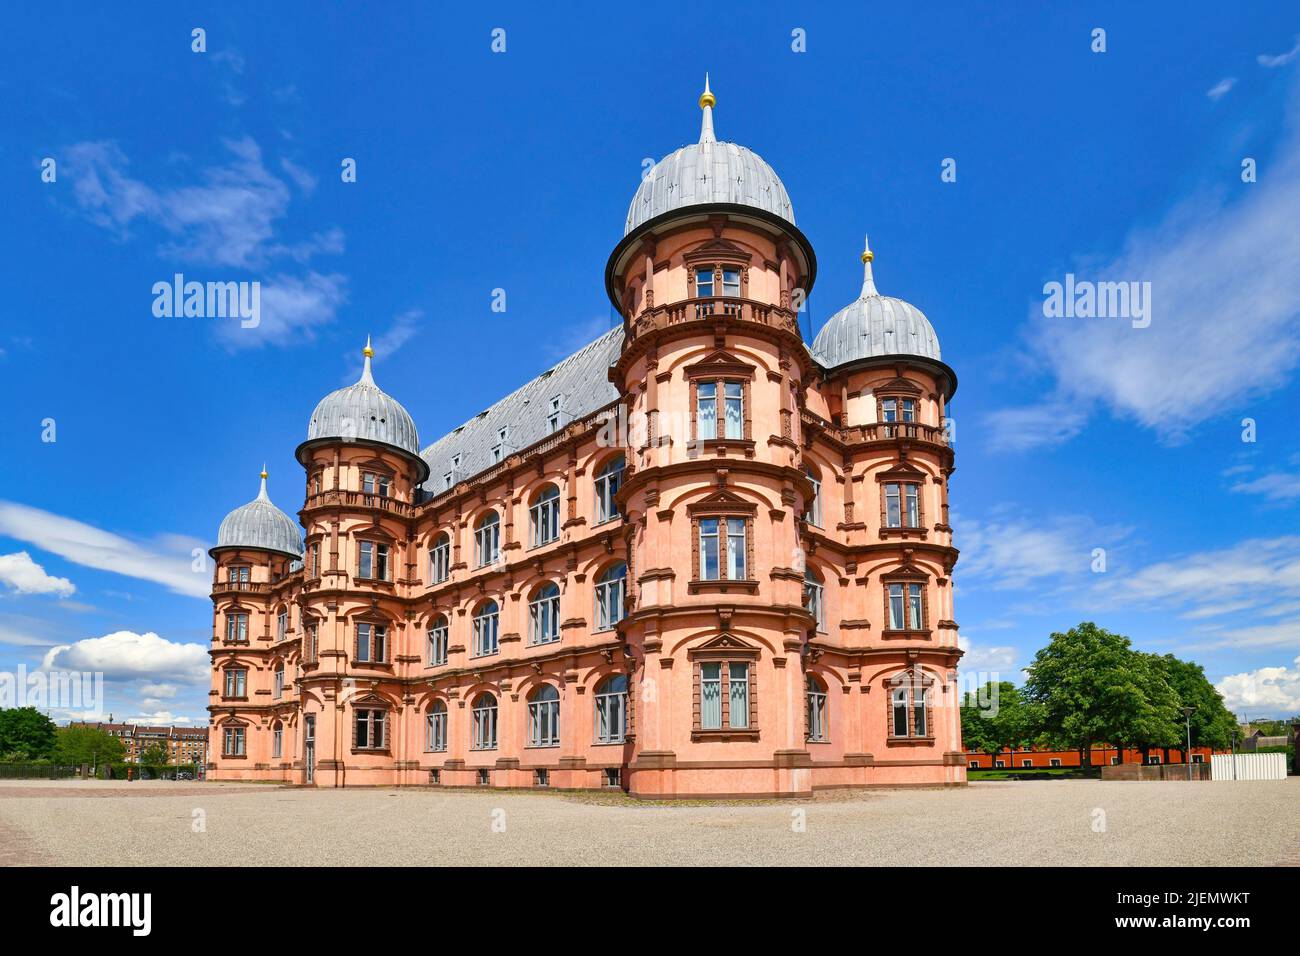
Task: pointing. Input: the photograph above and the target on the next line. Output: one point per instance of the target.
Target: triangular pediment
(722, 500)
(726, 642)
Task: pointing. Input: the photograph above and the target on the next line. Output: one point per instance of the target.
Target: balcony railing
(703, 309)
(877, 431)
(260, 587)
(359, 499)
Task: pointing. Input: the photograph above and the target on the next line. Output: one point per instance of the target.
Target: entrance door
(309, 748)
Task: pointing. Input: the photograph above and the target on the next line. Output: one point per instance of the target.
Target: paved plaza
(1063, 822)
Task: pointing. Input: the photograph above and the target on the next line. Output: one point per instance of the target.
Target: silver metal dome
(708, 172)
(872, 326)
(363, 411)
(260, 524)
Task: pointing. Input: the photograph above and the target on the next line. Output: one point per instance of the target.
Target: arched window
(436, 739)
(486, 623)
(608, 480)
(277, 684)
(485, 723)
(611, 589)
(545, 514)
(438, 633)
(817, 729)
(900, 711)
(544, 614)
(440, 559)
(277, 740)
(611, 710)
(544, 717)
(487, 539)
(814, 597)
(813, 515)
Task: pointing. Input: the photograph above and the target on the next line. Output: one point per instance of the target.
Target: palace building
(698, 557)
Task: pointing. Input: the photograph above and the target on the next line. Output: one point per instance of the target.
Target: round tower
(708, 276)
(258, 548)
(363, 465)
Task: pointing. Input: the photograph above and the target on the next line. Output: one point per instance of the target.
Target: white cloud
(1224, 310)
(159, 691)
(126, 656)
(1273, 690)
(159, 718)
(292, 308)
(1000, 660)
(1033, 426)
(25, 576)
(1255, 572)
(1220, 89)
(301, 177)
(1281, 59)
(94, 548)
(1276, 486)
(1012, 552)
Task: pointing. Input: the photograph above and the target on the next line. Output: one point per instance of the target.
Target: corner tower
(708, 277)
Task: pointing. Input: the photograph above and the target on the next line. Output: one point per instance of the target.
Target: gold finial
(264, 475)
(707, 99)
(368, 352)
(866, 251)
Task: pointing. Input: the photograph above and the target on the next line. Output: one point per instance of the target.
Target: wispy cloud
(93, 547)
(1276, 486)
(1010, 552)
(293, 309)
(1280, 59)
(1033, 426)
(20, 573)
(404, 328)
(1220, 89)
(1213, 256)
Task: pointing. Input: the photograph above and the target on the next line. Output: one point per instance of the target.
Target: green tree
(1212, 723)
(1089, 686)
(26, 733)
(154, 757)
(88, 745)
(995, 718)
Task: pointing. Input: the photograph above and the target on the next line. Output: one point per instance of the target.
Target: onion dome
(261, 525)
(707, 173)
(364, 412)
(874, 326)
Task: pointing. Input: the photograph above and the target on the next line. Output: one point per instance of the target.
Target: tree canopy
(26, 734)
(88, 745)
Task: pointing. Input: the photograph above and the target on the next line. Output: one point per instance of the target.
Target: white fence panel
(1248, 766)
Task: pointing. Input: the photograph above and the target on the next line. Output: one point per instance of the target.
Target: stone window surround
(725, 651)
(713, 508)
(906, 575)
(908, 678)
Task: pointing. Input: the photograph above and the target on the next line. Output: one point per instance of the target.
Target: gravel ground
(1065, 822)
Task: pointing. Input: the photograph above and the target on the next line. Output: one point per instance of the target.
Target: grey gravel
(1065, 822)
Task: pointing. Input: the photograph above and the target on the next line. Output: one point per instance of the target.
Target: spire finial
(868, 280)
(261, 492)
(368, 352)
(707, 102)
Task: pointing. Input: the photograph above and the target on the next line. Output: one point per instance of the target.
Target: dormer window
(553, 418)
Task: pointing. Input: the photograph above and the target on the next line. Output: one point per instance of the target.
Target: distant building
(1103, 755)
(185, 745)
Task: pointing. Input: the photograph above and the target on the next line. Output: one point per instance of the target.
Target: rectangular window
(278, 687)
(313, 560)
(312, 646)
(709, 549)
(896, 607)
(738, 681)
(372, 643)
(373, 561)
(1055, 761)
(920, 725)
(1026, 763)
(553, 417)
(703, 283)
(440, 561)
(277, 742)
(731, 282)
(237, 576)
(237, 628)
(372, 484)
(281, 625)
(711, 696)
(438, 645)
(233, 742)
(914, 614)
(734, 393)
(735, 549)
(436, 740)
(236, 682)
(370, 729)
(899, 710)
(706, 410)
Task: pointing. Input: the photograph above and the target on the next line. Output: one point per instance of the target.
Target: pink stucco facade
(780, 668)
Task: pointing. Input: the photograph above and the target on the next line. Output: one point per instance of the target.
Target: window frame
(544, 717)
(544, 516)
(604, 701)
(610, 593)
(438, 640)
(483, 722)
(544, 614)
(479, 623)
(487, 531)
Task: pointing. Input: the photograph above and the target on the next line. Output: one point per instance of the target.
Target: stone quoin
(748, 595)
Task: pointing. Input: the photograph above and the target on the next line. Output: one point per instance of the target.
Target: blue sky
(479, 170)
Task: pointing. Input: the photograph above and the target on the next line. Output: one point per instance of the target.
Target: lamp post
(1187, 754)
